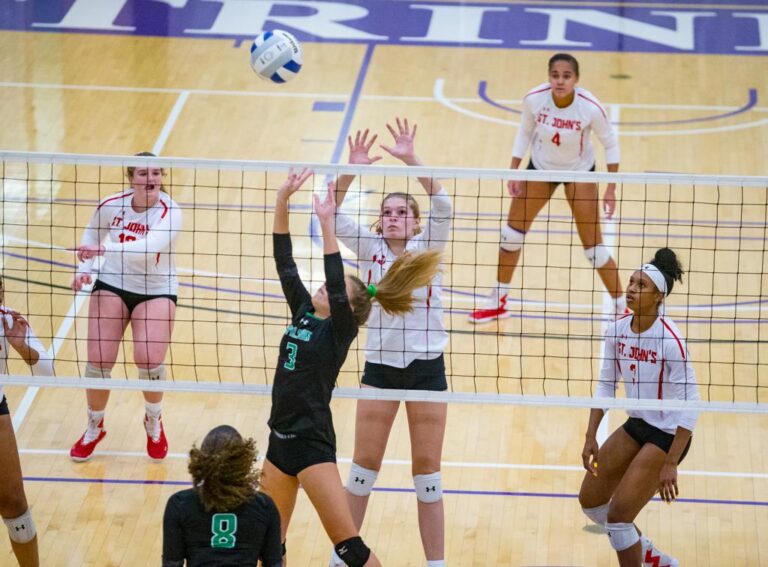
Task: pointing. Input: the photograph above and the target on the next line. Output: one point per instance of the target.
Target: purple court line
(751, 102)
(561, 495)
(371, 211)
(710, 320)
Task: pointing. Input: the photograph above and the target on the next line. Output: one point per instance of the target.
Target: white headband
(656, 277)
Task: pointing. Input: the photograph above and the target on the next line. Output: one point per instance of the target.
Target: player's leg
(322, 484)
(373, 422)
(639, 483)
(13, 502)
(426, 423)
(613, 459)
(584, 201)
(282, 488)
(152, 326)
(107, 320)
(522, 213)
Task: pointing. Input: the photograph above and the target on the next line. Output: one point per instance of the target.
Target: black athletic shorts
(531, 166)
(643, 432)
(418, 375)
(131, 300)
(4, 407)
(294, 454)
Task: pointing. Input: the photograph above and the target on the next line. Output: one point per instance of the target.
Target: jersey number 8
(223, 527)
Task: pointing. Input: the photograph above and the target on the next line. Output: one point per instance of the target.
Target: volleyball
(276, 56)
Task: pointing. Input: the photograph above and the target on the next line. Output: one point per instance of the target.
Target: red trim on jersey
(679, 343)
(165, 212)
(429, 295)
(661, 380)
(624, 316)
(123, 196)
(581, 143)
(549, 88)
(595, 103)
(157, 258)
(370, 277)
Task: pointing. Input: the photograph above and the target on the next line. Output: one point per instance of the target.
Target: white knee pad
(361, 480)
(429, 487)
(511, 239)
(157, 373)
(598, 514)
(21, 529)
(622, 536)
(598, 255)
(92, 371)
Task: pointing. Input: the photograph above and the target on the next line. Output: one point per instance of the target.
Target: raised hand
(360, 148)
(404, 136)
(293, 182)
(326, 208)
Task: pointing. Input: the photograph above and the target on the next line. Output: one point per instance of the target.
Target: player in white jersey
(402, 352)
(557, 122)
(135, 232)
(16, 334)
(647, 352)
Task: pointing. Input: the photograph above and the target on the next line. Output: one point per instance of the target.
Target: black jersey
(242, 536)
(312, 350)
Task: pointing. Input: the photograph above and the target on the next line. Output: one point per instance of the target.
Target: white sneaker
(652, 557)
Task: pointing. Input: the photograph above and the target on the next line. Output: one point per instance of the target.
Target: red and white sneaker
(652, 557)
(156, 449)
(492, 311)
(82, 451)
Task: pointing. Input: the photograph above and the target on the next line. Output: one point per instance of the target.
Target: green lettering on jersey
(303, 335)
(223, 527)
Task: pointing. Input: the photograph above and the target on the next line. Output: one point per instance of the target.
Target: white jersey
(560, 137)
(139, 246)
(399, 340)
(653, 365)
(44, 365)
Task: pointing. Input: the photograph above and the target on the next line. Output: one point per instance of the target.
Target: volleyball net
(231, 312)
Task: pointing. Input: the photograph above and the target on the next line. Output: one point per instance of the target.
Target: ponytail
(411, 271)
(666, 261)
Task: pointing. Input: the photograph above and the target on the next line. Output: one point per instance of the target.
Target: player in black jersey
(223, 520)
(302, 442)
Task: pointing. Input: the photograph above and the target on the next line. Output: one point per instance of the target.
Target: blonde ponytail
(411, 271)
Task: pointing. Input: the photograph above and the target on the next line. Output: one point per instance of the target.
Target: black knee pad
(353, 551)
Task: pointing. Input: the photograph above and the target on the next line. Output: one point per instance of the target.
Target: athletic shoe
(82, 451)
(652, 557)
(492, 311)
(156, 450)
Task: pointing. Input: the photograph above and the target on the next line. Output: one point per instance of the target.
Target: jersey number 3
(293, 348)
(223, 527)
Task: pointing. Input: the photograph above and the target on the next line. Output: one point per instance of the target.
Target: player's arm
(92, 236)
(404, 150)
(293, 288)
(272, 549)
(158, 240)
(610, 141)
(522, 141)
(668, 489)
(606, 388)
(20, 336)
(173, 535)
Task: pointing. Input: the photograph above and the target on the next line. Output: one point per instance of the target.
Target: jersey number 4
(556, 139)
(223, 527)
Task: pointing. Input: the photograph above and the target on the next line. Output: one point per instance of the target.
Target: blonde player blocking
(557, 122)
(647, 352)
(401, 352)
(17, 334)
(136, 285)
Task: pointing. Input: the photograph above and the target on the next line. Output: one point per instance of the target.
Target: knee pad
(361, 480)
(353, 551)
(92, 371)
(429, 487)
(598, 514)
(511, 239)
(622, 536)
(598, 255)
(157, 373)
(21, 529)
